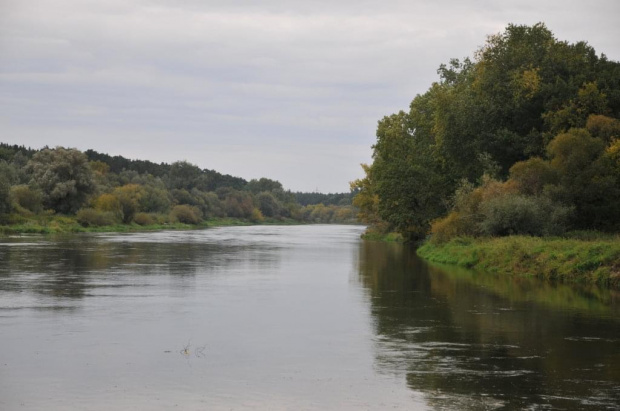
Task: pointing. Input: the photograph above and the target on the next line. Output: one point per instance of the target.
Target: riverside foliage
(41, 188)
(521, 139)
(574, 260)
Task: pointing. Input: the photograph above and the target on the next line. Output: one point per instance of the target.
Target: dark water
(306, 317)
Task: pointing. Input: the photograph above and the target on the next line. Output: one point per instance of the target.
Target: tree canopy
(526, 107)
(65, 177)
(100, 189)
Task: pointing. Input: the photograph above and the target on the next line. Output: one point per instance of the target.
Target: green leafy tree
(495, 115)
(366, 199)
(129, 199)
(183, 175)
(5, 187)
(26, 199)
(263, 184)
(155, 199)
(409, 189)
(213, 207)
(588, 178)
(182, 196)
(108, 203)
(19, 162)
(532, 175)
(64, 176)
(603, 127)
(267, 204)
(239, 204)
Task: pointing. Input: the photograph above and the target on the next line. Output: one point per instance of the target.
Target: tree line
(521, 139)
(99, 189)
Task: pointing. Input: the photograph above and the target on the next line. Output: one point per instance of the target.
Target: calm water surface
(291, 318)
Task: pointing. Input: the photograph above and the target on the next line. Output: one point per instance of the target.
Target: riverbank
(571, 260)
(68, 224)
(389, 237)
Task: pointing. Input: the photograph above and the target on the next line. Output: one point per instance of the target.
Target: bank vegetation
(520, 140)
(65, 190)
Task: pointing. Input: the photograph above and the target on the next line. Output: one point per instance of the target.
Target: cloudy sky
(290, 90)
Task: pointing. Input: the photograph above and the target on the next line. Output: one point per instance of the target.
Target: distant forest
(104, 190)
(521, 139)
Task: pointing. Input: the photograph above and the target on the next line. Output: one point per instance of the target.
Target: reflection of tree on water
(78, 265)
(476, 342)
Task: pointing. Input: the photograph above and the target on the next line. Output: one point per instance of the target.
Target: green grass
(571, 260)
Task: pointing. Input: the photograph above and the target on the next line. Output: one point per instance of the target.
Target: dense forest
(520, 139)
(103, 190)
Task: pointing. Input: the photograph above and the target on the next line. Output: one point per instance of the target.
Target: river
(289, 318)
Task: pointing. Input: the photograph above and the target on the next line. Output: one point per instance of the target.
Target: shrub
(517, 214)
(144, 219)
(129, 198)
(26, 198)
(532, 175)
(267, 204)
(155, 200)
(186, 214)
(239, 204)
(448, 227)
(108, 202)
(182, 196)
(256, 216)
(89, 217)
(213, 207)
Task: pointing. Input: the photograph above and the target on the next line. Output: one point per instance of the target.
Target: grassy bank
(374, 234)
(589, 259)
(55, 224)
(389, 237)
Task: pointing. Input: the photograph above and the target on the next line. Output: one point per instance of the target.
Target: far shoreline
(68, 225)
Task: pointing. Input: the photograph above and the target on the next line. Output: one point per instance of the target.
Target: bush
(89, 217)
(26, 198)
(186, 214)
(144, 219)
(517, 214)
(239, 204)
(108, 202)
(267, 204)
(256, 216)
(451, 226)
(129, 198)
(213, 207)
(154, 200)
(533, 175)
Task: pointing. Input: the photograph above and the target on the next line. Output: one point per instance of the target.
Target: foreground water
(303, 317)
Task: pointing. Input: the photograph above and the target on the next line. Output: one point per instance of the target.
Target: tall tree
(522, 88)
(64, 176)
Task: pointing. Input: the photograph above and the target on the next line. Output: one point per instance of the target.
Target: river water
(289, 318)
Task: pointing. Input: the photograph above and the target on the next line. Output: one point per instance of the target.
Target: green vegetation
(504, 155)
(65, 190)
(521, 140)
(390, 237)
(59, 224)
(590, 260)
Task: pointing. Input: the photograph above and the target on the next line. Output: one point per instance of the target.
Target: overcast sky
(290, 90)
